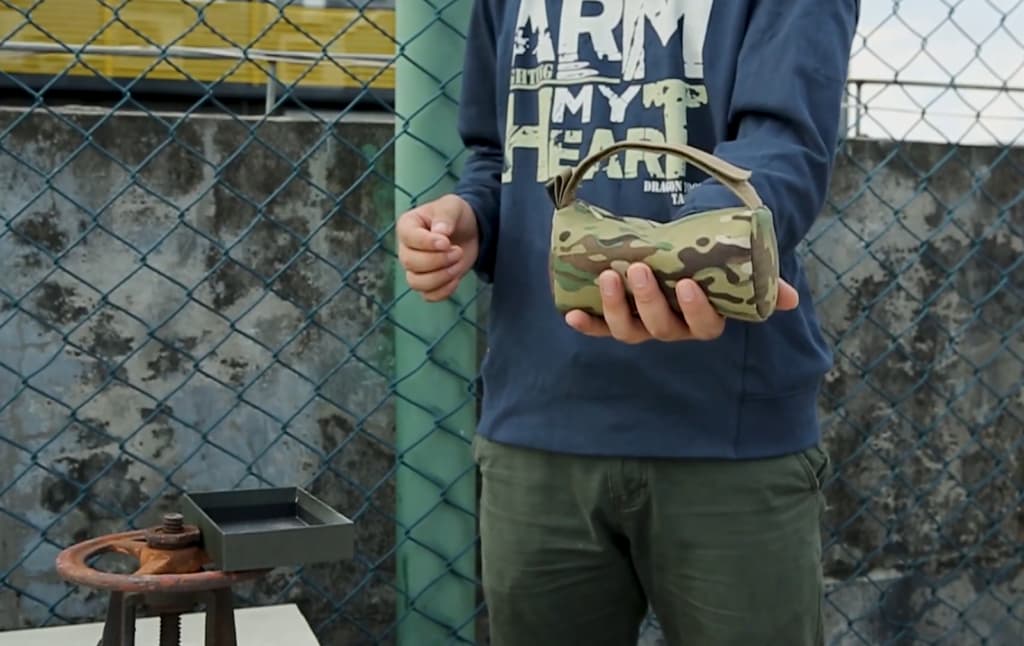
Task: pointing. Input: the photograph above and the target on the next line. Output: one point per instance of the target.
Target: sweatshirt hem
(759, 427)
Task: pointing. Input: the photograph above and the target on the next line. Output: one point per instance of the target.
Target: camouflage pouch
(731, 253)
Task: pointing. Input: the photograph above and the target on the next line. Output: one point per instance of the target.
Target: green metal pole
(435, 350)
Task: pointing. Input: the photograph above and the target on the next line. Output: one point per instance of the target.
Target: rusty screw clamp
(172, 535)
(171, 579)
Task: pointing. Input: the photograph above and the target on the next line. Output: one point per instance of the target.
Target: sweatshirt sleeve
(480, 181)
(783, 119)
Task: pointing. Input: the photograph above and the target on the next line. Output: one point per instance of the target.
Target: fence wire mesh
(199, 293)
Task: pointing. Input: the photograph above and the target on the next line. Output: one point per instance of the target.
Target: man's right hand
(438, 243)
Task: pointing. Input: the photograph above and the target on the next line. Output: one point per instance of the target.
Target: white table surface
(266, 626)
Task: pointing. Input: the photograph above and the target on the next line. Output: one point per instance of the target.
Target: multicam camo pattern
(731, 253)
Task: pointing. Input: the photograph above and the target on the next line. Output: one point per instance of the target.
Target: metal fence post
(435, 348)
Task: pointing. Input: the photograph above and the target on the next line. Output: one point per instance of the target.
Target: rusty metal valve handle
(170, 578)
(170, 560)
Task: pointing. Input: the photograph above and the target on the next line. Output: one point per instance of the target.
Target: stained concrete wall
(165, 324)
(921, 292)
(197, 309)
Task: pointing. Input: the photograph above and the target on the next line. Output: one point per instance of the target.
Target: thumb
(446, 214)
(443, 221)
(789, 298)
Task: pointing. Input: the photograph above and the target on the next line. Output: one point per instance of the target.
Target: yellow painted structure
(230, 24)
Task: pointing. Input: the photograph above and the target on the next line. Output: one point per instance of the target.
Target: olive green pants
(575, 550)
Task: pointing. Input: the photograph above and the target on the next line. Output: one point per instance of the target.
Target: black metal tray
(256, 529)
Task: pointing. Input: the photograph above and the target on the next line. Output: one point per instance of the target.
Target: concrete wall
(136, 356)
(920, 287)
(134, 337)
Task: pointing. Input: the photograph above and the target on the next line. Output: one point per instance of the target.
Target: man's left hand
(657, 321)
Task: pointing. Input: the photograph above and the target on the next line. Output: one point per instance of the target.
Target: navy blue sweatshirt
(757, 82)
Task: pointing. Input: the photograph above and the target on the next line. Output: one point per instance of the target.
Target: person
(653, 461)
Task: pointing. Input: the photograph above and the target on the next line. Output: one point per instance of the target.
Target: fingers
(622, 324)
(704, 322)
(423, 262)
(433, 266)
(617, 322)
(654, 318)
(443, 292)
(430, 282)
(414, 232)
(430, 271)
(433, 282)
(657, 317)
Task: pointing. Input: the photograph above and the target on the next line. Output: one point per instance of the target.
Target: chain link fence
(200, 293)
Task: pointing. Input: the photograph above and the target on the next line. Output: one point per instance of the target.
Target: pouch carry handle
(562, 187)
